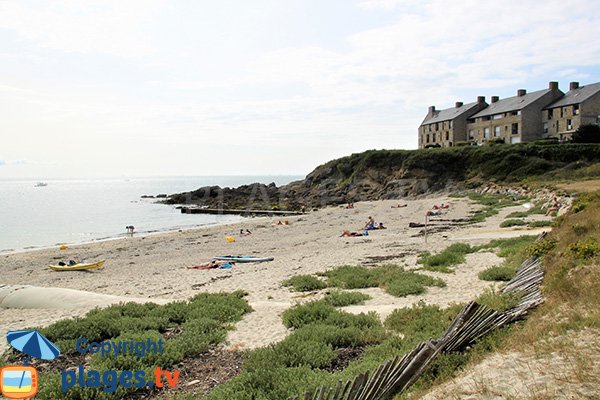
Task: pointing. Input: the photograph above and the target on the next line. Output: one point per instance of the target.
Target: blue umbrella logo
(33, 343)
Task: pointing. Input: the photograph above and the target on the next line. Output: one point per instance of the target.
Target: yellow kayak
(78, 267)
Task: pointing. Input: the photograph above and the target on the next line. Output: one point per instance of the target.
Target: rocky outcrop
(390, 174)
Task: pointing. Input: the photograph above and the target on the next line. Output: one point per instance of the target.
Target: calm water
(75, 211)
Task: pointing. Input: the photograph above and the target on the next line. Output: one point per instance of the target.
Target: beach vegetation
(188, 329)
(449, 257)
(392, 279)
(339, 298)
(512, 222)
(304, 283)
(539, 224)
(514, 251)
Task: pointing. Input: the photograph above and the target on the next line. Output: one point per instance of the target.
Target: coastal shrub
(201, 322)
(510, 246)
(587, 249)
(351, 277)
(517, 214)
(421, 321)
(512, 222)
(498, 301)
(498, 273)
(539, 224)
(541, 247)
(308, 313)
(452, 255)
(339, 298)
(304, 283)
(391, 278)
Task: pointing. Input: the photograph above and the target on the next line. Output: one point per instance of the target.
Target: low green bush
(342, 299)
(352, 277)
(391, 278)
(203, 321)
(518, 214)
(512, 222)
(587, 249)
(539, 224)
(452, 255)
(304, 283)
(498, 301)
(308, 313)
(422, 320)
(498, 273)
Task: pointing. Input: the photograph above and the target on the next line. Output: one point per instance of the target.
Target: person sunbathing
(400, 205)
(380, 226)
(351, 234)
(433, 213)
(213, 264)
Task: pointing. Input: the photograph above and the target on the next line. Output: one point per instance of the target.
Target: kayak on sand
(243, 259)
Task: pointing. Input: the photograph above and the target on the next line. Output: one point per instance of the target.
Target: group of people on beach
(369, 226)
(436, 210)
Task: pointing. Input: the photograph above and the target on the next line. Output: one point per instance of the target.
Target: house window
(576, 109)
(545, 127)
(497, 116)
(486, 133)
(515, 129)
(486, 118)
(562, 112)
(569, 124)
(427, 138)
(437, 126)
(447, 135)
(496, 131)
(450, 124)
(550, 114)
(472, 133)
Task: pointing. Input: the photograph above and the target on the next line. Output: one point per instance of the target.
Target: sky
(124, 88)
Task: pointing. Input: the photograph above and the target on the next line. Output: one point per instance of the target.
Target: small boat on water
(40, 184)
(243, 259)
(78, 266)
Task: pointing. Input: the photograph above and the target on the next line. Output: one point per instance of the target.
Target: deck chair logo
(21, 381)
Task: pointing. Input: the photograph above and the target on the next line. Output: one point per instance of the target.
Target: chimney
(573, 85)
(458, 104)
(521, 92)
(553, 85)
(431, 109)
(480, 99)
(495, 99)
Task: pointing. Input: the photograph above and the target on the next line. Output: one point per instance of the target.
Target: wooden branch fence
(474, 321)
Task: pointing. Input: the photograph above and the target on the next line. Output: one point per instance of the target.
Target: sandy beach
(155, 267)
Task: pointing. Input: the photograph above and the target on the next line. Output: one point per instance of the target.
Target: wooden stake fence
(473, 322)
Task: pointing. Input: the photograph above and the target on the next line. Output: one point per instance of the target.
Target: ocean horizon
(72, 211)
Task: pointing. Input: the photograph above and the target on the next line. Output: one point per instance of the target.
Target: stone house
(448, 126)
(579, 106)
(515, 119)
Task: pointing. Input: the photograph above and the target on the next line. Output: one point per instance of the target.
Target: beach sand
(155, 266)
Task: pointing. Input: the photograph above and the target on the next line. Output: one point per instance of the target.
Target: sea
(73, 211)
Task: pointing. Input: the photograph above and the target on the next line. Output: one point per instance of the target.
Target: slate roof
(576, 96)
(515, 103)
(448, 114)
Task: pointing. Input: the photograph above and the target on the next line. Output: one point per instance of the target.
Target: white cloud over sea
(232, 87)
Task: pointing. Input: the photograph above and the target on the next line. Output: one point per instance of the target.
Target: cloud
(108, 26)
